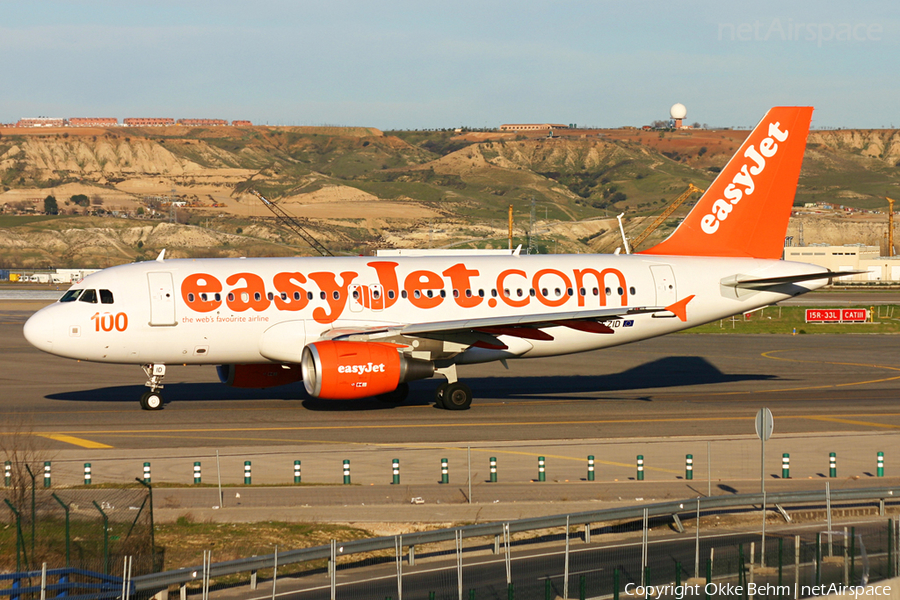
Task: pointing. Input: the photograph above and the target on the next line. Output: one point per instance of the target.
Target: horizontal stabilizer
(769, 282)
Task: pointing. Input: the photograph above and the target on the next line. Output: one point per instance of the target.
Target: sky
(398, 64)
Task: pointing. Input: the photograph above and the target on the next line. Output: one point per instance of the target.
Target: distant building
(241, 124)
(147, 122)
(41, 122)
(202, 122)
(93, 122)
(851, 257)
(533, 127)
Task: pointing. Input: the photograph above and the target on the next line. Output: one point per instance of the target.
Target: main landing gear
(452, 394)
(153, 399)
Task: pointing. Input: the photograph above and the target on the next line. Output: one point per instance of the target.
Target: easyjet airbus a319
(365, 326)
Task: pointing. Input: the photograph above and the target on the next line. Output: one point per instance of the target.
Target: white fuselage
(217, 311)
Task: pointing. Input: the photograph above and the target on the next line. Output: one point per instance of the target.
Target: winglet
(745, 211)
(679, 309)
(162, 256)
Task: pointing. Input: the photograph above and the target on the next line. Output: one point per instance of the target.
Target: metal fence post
(785, 466)
(296, 471)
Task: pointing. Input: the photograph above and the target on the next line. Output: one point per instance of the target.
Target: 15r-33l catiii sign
(837, 315)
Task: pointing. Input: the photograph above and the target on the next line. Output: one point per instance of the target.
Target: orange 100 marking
(109, 321)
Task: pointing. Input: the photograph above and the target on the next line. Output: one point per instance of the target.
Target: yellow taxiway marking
(854, 422)
(68, 439)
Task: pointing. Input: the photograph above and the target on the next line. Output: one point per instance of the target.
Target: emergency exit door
(664, 280)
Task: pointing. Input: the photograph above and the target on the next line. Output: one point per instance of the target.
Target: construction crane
(665, 214)
(292, 224)
(890, 226)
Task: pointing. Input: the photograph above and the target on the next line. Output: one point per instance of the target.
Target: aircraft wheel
(151, 401)
(398, 396)
(457, 396)
(439, 394)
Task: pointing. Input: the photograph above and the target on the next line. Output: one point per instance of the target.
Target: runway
(679, 385)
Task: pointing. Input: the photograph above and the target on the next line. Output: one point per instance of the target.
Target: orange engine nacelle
(346, 370)
(258, 376)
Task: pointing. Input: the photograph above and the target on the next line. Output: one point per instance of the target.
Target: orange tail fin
(745, 211)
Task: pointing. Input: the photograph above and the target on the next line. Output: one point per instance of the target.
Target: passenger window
(297, 296)
(218, 297)
(620, 290)
(203, 297)
(71, 296)
(391, 294)
(631, 290)
(89, 296)
(191, 298)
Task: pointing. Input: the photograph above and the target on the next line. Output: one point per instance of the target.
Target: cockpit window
(71, 296)
(106, 297)
(89, 296)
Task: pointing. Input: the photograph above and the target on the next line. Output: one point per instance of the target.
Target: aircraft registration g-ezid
(355, 327)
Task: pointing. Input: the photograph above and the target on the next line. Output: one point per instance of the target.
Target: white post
(697, 544)
(459, 573)
(398, 547)
(219, 475)
(644, 542)
(796, 567)
(469, 461)
(333, 569)
(506, 552)
(275, 572)
(566, 569)
(44, 582)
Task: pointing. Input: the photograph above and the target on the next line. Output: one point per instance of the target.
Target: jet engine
(258, 376)
(346, 370)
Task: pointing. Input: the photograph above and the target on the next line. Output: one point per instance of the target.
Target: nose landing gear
(153, 400)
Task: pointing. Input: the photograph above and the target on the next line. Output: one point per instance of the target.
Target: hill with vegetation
(125, 193)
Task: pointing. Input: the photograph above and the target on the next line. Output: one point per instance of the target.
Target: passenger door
(162, 299)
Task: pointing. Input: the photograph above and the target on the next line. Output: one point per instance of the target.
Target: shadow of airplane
(669, 372)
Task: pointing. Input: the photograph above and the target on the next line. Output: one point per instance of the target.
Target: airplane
(358, 327)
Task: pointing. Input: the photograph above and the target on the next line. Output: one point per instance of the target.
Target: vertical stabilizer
(745, 211)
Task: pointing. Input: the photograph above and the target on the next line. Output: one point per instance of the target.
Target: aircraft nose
(38, 331)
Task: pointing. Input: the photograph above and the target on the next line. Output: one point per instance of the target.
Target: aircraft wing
(515, 325)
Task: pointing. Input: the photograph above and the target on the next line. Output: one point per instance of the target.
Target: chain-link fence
(87, 529)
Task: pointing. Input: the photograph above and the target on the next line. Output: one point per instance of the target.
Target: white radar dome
(678, 111)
